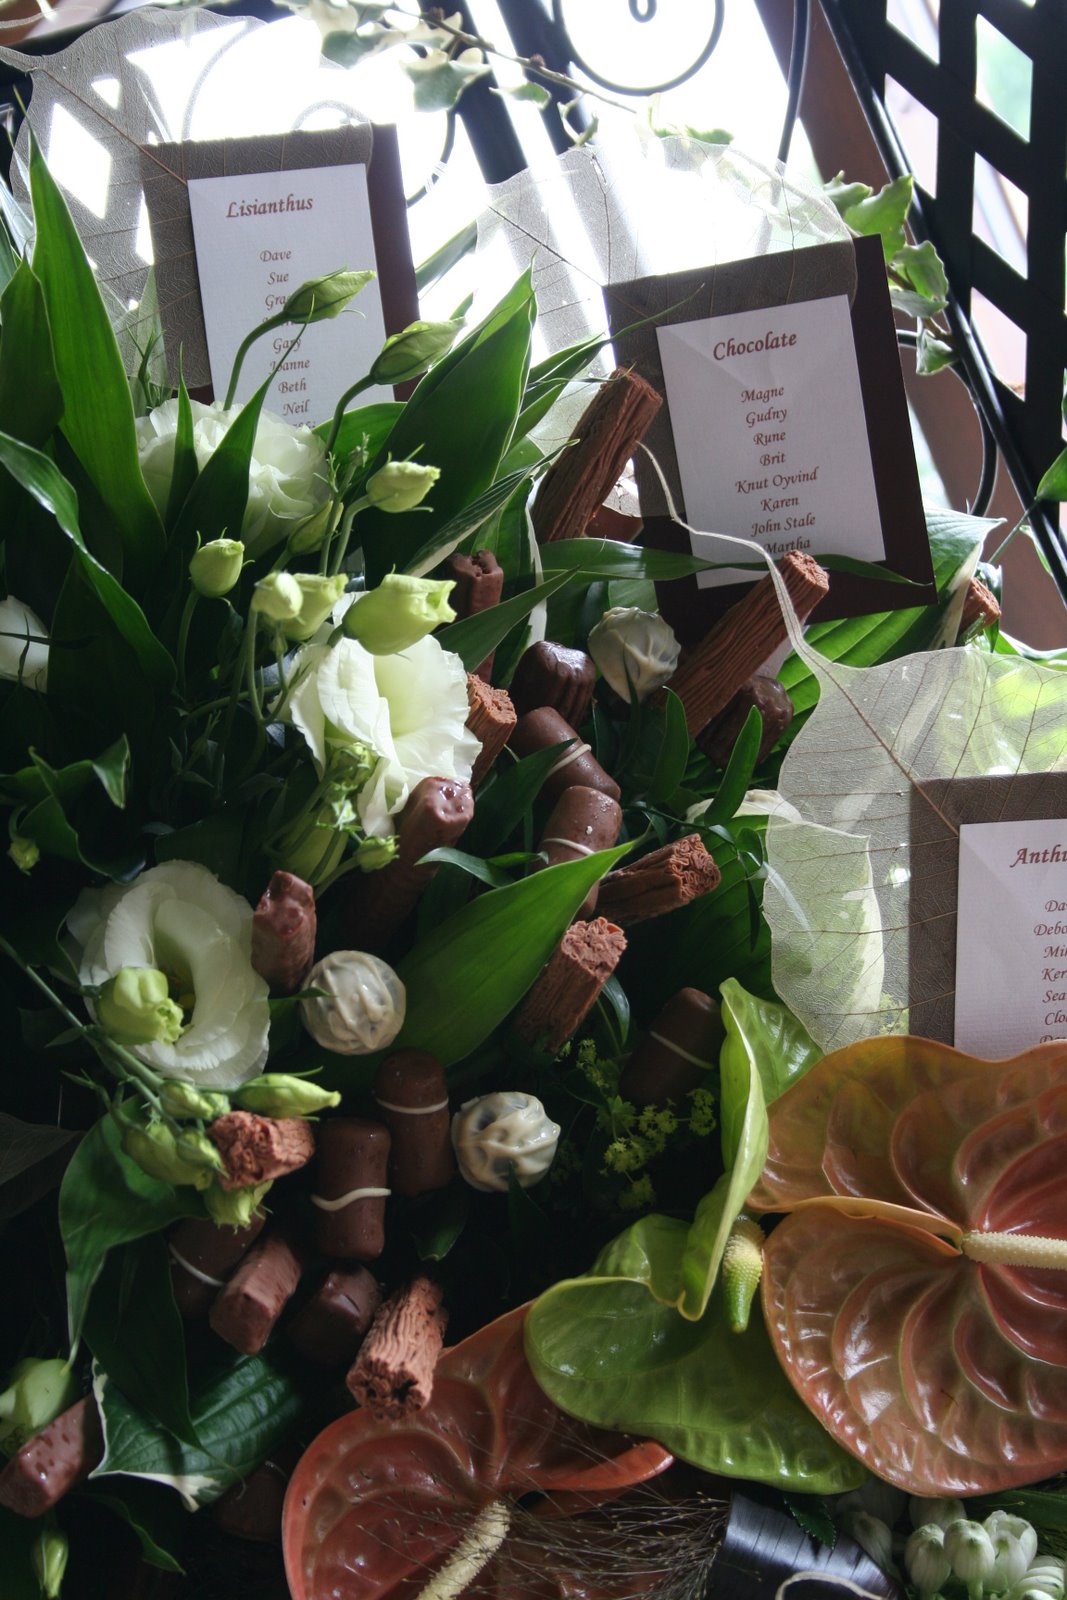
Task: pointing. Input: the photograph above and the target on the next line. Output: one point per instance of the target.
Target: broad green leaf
(97, 409)
(31, 1161)
(240, 1416)
(456, 996)
(534, 93)
(436, 1227)
(609, 558)
(884, 213)
(1053, 485)
(440, 82)
(474, 866)
(185, 469)
(673, 755)
(472, 638)
(106, 1200)
(843, 195)
(63, 820)
(769, 1035)
(39, 780)
(508, 799)
(215, 505)
(933, 354)
(366, 427)
(865, 569)
(28, 410)
(152, 1515)
(921, 265)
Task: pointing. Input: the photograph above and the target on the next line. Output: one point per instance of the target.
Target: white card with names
(258, 237)
(769, 428)
(1011, 937)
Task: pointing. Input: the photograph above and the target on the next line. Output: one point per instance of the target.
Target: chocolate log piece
(351, 1188)
(412, 1096)
(567, 988)
(717, 740)
(245, 1311)
(202, 1256)
(552, 675)
(492, 719)
(393, 1374)
(328, 1328)
(436, 814)
(711, 674)
(57, 1459)
(257, 1149)
(253, 1509)
(283, 932)
(676, 1053)
(659, 882)
(540, 729)
(980, 609)
(607, 434)
(581, 822)
(479, 581)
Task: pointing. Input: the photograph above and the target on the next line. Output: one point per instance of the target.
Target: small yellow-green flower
(279, 1094)
(216, 567)
(407, 355)
(401, 485)
(278, 597)
(135, 1007)
(398, 613)
(325, 297)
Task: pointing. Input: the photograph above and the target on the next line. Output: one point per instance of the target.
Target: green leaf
(473, 637)
(608, 558)
(434, 267)
(215, 505)
(673, 755)
(809, 1512)
(604, 1349)
(865, 569)
(767, 1034)
(504, 803)
(737, 776)
(474, 866)
(240, 1416)
(469, 520)
(105, 1200)
(933, 354)
(439, 84)
(436, 1227)
(1053, 485)
(843, 194)
(150, 1513)
(456, 996)
(60, 825)
(18, 1535)
(366, 427)
(534, 94)
(921, 265)
(28, 410)
(185, 469)
(884, 213)
(97, 409)
(32, 1156)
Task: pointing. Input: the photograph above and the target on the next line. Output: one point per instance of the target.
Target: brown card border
(934, 890)
(856, 268)
(166, 170)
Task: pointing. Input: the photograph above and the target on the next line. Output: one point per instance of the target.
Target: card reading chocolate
(786, 423)
(239, 224)
(988, 912)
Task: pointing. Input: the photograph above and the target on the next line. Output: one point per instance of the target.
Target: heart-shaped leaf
(901, 1293)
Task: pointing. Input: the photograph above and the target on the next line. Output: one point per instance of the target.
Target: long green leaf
(738, 773)
(216, 502)
(473, 637)
(29, 410)
(185, 470)
(98, 415)
(369, 425)
(134, 1331)
(469, 520)
(609, 558)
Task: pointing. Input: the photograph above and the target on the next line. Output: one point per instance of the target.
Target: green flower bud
(50, 1552)
(184, 1103)
(216, 567)
(36, 1394)
(233, 1208)
(407, 355)
(373, 854)
(278, 1094)
(401, 485)
(1045, 1573)
(939, 1510)
(24, 852)
(970, 1550)
(318, 596)
(1015, 1543)
(278, 597)
(742, 1266)
(155, 1150)
(321, 298)
(135, 1007)
(309, 534)
(398, 613)
(198, 1150)
(312, 853)
(874, 1536)
(924, 1557)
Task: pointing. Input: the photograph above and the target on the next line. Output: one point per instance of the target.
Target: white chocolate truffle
(634, 647)
(363, 1006)
(496, 1132)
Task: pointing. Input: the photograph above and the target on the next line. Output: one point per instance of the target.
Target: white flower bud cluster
(995, 1558)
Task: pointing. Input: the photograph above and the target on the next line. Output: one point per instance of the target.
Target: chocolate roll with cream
(329, 1328)
(552, 675)
(436, 814)
(202, 1257)
(581, 821)
(677, 1053)
(412, 1096)
(245, 1311)
(351, 1188)
(772, 702)
(538, 730)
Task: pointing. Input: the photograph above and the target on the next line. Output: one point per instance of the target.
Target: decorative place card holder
(987, 956)
(786, 422)
(238, 224)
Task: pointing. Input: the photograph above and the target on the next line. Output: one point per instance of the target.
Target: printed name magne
(267, 208)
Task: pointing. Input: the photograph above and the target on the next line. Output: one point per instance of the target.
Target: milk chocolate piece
(491, 720)
(479, 581)
(540, 729)
(660, 882)
(581, 821)
(328, 1328)
(351, 1188)
(55, 1460)
(253, 1509)
(717, 740)
(582, 476)
(283, 932)
(412, 1097)
(245, 1311)
(257, 1149)
(393, 1374)
(552, 675)
(677, 1052)
(568, 987)
(436, 814)
(202, 1256)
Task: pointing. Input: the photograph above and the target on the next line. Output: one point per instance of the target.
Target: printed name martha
(269, 208)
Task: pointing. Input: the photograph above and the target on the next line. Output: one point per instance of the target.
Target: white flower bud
(278, 597)
(872, 1535)
(216, 567)
(927, 1564)
(939, 1511)
(1015, 1543)
(1044, 1575)
(497, 1132)
(363, 1006)
(634, 648)
(970, 1550)
(401, 485)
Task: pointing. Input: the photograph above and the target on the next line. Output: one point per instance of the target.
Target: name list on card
(1011, 938)
(260, 236)
(768, 423)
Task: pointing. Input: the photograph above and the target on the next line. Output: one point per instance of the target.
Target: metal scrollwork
(641, 11)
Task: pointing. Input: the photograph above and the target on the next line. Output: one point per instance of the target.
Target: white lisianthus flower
(410, 708)
(22, 656)
(180, 919)
(287, 479)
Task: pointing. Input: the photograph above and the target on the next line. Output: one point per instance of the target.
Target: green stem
(344, 533)
(339, 412)
(999, 551)
(241, 672)
(246, 345)
(183, 638)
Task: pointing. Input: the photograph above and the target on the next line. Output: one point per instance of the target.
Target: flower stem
(344, 533)
(339, 412)
(183, 638)
(246, 345)
(245, 669)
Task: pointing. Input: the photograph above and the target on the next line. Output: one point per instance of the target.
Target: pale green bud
(233, 1208)
(216, 567)
(407, 355)
(373, 854)
(398, 613)
(970, 1550)
(155, 1150)
(925, 1559)
(50, 1552)
(278, 597)
(872, 1535)
(401, 485)
(742, 1266)
(321, 298)
(309, 534)
(313, 853)
(318, 596)
(37, 1392)
(278, 1094)
(1015, 1543)
(198, 1150)
(940, 1510)
(184, 1103)
(24, 852)
(135, 1007)
(1045, 1573)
